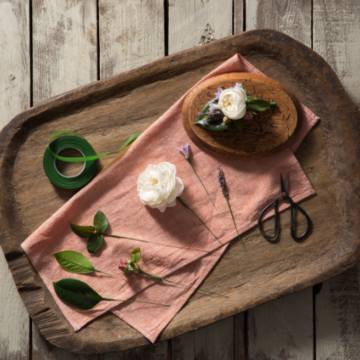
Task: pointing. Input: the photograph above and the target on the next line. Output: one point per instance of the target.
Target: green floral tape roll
(89, 158)
(69, 182)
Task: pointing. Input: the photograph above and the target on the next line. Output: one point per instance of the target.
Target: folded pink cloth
(114, 192)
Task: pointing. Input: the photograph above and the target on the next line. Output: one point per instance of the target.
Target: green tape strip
(79, 143)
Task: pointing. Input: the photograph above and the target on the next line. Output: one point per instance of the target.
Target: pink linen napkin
(114, 192)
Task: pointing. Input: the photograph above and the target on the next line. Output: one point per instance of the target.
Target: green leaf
(76, 294)
(100, 222)
(250, 98)
(258, 105)
(95, 243)
(74, 262)
(239, 123)
(82, 231)
(135, 255)
(214, 125)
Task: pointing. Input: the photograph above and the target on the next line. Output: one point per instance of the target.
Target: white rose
(232, 103)
(158, 186)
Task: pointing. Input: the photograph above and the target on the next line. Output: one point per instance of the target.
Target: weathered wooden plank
(293, 17)
(64, 46)
(336, 32)
(211, 342)
(336, 39)
(281, 329)
(43, 350)
(338, 317)
(194, 22)
(240, 339)
(14, 98)
(131, 34)
(158, 351)
(289, 319)
(64, 57)
(238, 16)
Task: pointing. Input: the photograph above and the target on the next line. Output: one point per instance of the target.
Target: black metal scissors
(284, 196)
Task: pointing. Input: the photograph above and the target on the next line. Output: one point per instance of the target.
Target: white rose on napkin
(232, 102)
(158, 186)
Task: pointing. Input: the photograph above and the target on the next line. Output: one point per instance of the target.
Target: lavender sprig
(221, 179)
(185, 150)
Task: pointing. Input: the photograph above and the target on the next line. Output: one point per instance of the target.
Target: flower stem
(153, 242)
(104, 273)
(183, 203)
(173, 282)
(232, 216)
(138, 301)
(200, 181)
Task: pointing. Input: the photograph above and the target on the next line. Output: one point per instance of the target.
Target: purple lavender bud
(221, 179)
(185, 150)
(217, 95)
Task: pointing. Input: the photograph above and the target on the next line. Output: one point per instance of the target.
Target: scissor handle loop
(293, 204)
(275, 220)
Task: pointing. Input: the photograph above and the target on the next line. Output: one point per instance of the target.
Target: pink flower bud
(122, 264)
(248, 116)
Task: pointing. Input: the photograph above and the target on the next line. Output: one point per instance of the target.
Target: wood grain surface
(337, 311)
(269, 132)
(255, 278)
(293, 17)
(14, 98)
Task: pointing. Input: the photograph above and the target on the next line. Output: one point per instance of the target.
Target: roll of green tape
(79, 143)
(69, 182)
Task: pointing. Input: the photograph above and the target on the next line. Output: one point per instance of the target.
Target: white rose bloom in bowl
(232, 102)
(158, 186)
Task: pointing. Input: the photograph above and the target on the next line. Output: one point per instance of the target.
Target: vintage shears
(284, 196)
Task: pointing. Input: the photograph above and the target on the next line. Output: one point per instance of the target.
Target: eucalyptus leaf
(76, 294)
(95, 242)
(239, 123)
(82, 231)
(74, 262)
(135, 255)
(213, 125)
(100, 222)
(258, 104)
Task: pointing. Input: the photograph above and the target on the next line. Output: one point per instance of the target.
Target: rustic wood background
(51, 46)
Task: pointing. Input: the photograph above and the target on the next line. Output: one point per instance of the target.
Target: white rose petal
(158, 186)
(232, 103)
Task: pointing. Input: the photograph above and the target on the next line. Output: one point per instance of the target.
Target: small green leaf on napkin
(259, 104)
(135, 255)
(82, 231)
(79, 295)
(100, 222)
(76, 294)
(95, 242)
(74, 262)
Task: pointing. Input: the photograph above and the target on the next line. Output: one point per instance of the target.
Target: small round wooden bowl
(268, 133)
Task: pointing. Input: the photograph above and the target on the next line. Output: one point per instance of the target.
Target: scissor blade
(287, 184)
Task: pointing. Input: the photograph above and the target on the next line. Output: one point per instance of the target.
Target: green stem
(138, 301)
(104, 273)
(200, 181)
(173, 282)
(232, 216)
(183, 203)
(153, 242)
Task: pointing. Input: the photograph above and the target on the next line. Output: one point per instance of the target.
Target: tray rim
(167, 65)
(217, 151)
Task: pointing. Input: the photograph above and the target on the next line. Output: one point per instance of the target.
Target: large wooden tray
(107, 112)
